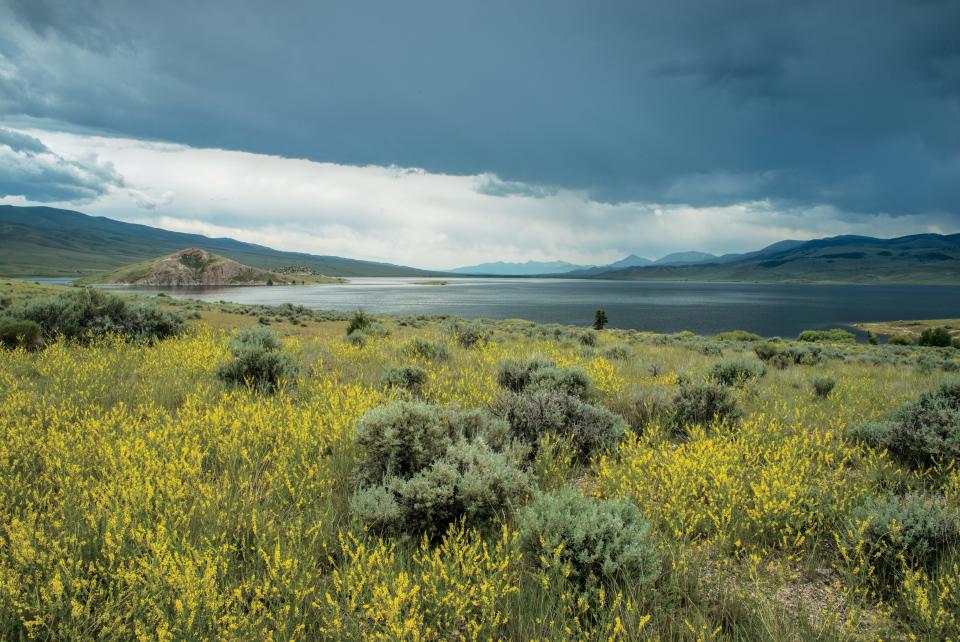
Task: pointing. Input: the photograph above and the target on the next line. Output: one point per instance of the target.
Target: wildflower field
(435, 479)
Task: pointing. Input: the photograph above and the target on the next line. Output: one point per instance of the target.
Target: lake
(704, 308)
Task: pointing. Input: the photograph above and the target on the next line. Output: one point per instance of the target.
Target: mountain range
(540, 268)
(45, 241)
(919, 258)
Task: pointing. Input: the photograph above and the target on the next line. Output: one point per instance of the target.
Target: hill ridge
(48, 241)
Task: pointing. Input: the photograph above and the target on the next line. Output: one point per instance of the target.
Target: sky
(445, 133)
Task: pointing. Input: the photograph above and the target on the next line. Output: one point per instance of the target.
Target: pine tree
(599, 320)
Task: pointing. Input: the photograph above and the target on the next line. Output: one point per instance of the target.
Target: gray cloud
(853, 105)
(28, 168)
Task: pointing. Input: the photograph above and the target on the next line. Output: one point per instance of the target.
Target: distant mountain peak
(631, 260)
(685, 258)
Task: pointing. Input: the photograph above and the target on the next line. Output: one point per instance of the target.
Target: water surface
(704, 308)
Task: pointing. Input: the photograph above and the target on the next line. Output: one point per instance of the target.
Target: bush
(358, 322)
(936, 337)
(702, 404)
(420, 348)
(254, 338)
(807, 356)
(15, 333)
(588, 337)
(736, 372)
(920, 432)
(87, 313)
(823, 386)
(739, 335)
(781, 357)
(599, 541)
(766, 351)
(258, 361)
(469, 334)
(836, 335)
(570, 381)
(515, 375)
(538, 411)
(422, 468)
(894, 531)
(649, 405)
(900, 340)
(617, 352)
(537, 372)
(409, 378)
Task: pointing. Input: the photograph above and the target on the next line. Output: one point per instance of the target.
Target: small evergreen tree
(599, 320)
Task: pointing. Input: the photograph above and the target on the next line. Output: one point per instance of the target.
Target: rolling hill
(193, 266)
(920, 258)
(45, 241)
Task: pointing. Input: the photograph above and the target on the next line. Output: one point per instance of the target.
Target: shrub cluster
(515, 375)
(258, 361)
(544, 399)
(739, 335)
(648, 405)
(87, 313)
(469, 334)
(835, 335)
(922, 431)
(900, 340)
(617, 352)
(736, 372)
(359, 322)
(410, 378)
(783, 356)
(702, 404)
(422, 468)
(15, 333)
(894, 532)
(361, 326)
(537, 412)
(823, 386)
(588, 338)
(935, 337)
(419, 348)
(596, 541)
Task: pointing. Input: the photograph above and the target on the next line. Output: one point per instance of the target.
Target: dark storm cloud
(851, 103)
(31, 170)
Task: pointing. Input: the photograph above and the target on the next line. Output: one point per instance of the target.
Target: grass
(910, 329)
(141, 497)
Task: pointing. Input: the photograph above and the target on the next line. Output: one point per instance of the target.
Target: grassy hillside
(144, 495)
(43, 241)
(924, 258)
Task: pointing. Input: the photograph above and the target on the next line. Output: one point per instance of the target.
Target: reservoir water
(704, 308)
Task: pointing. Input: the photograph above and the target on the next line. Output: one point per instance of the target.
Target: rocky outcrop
(192, 267)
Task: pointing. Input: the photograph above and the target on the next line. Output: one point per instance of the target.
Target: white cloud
(31, 170)
(413, 217)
